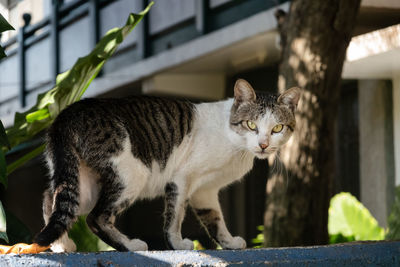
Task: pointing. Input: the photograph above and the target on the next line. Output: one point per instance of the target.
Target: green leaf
(258, 241)
(25, 158)
(41, 114)
(197, 245)
(348, 217)
(3, 169)
(4, 26)
(3, 137)
(84, 239)
(17, 231)
(70, 85)
(3, 225)
(339, 238)
(2, 53)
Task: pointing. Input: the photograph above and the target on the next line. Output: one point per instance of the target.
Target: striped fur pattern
(104, 154)
(171, 195)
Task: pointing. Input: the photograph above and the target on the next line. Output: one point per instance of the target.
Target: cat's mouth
(262, 154)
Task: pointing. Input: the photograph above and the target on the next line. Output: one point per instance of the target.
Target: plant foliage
(258, 241)
(4, 26)
(69, 88)
(70, 85)
(3, 225)
(350, 220)
(84, 239)
(16, 230)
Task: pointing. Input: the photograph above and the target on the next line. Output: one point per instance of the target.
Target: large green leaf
(70, 85)
(3, 225)
(4, 26)
(348, 217)
(84, 239)
(25, 158)
(3, 137)
(3, 169)
(3, 143)
(17, 231)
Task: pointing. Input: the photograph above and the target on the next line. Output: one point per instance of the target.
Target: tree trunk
(316, 35)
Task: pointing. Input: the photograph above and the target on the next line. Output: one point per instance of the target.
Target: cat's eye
(252, 126)
(277, 129)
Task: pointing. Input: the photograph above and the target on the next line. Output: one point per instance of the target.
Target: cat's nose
(263, 145)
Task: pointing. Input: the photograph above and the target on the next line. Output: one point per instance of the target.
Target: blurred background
(196, 50)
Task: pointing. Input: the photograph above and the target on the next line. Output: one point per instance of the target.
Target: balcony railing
(26, 72)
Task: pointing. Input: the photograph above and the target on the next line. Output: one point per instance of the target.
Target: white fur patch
(63, 244)
(133, 173)
(88, 189)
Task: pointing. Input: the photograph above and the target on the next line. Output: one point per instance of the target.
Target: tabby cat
(104, 154)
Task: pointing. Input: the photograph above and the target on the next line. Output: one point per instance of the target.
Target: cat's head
(264, 122)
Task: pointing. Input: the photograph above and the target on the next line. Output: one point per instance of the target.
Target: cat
(104, 154)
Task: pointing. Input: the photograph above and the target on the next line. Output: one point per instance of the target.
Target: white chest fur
(217, 159)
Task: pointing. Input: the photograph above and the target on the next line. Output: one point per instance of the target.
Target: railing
(61, 15)
(208, 16)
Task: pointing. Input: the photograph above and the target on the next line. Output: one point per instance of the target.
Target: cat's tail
(64, 185)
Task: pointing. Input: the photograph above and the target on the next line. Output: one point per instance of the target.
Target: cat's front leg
(207, 208)
(175, 206)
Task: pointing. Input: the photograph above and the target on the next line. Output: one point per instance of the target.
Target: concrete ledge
(350, 254)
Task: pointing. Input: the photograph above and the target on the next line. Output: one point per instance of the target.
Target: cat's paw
(185, 244)
(136, 245)
(64, 244)
(235, 243)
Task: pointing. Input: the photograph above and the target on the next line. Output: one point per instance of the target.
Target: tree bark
(316, 35)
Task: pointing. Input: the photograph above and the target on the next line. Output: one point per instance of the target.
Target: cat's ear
(243, 92)
(290, 97)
